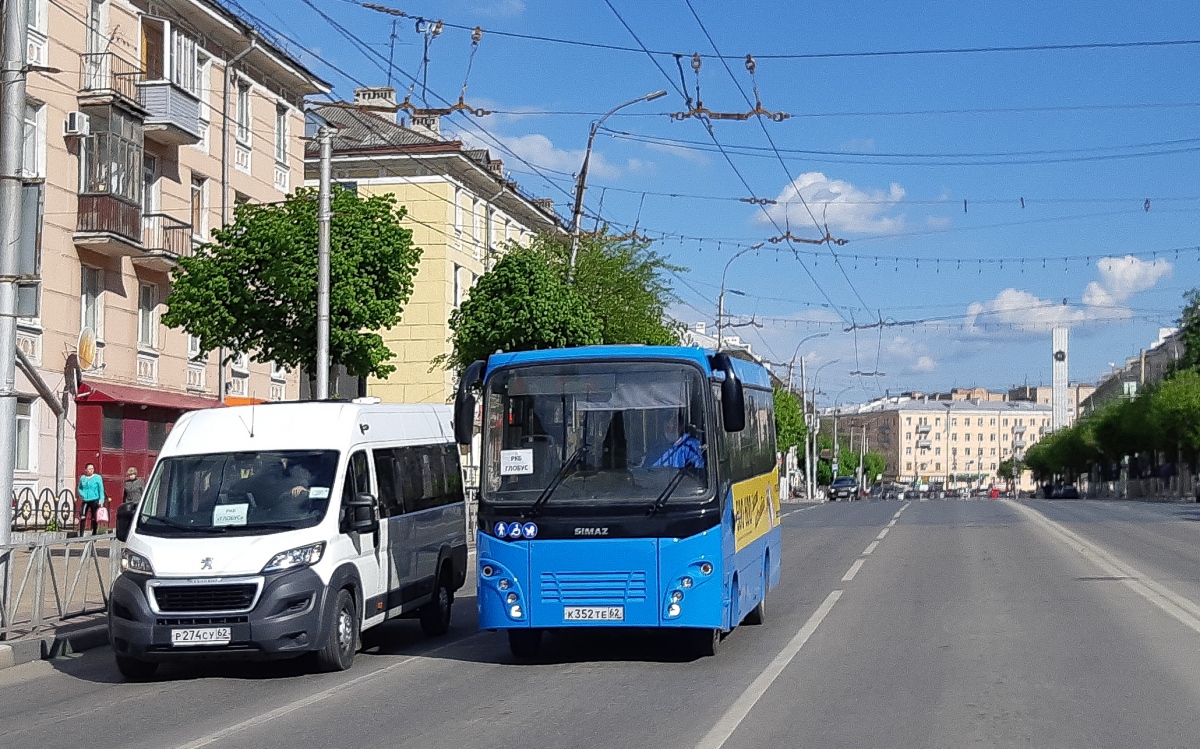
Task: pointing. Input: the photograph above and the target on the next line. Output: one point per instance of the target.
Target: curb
(20, 652)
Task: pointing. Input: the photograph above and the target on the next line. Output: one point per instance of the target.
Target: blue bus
(623, 486)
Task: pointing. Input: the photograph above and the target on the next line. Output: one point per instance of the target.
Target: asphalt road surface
(946, 623)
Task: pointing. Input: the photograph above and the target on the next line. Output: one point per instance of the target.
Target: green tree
(520, 304)
(1174, 411)
(253, 289)
(622, 281)
(1189, 331)
(789, 420)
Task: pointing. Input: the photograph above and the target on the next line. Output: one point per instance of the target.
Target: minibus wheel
(435, 615)
(135, 669)
(525, 643)
(706, 642)
(341, 641)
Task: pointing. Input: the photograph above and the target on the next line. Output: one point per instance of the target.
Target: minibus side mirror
(126, 512)
(361, 515)
(464, 403)
(733, 397)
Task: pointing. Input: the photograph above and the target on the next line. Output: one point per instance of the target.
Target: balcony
(922, 429)
(109, 225)
(173, 115)
(106, 77)
(1019, 429)
(164, 240)
(923, 444)
(1019, 444)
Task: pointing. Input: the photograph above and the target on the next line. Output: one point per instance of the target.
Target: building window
(967, 437)
(908, 451)
(993, 466)
(954, 451)
(937, 451)
(477, 223)
(908, 435)
(954, 437)
(240, 363)
(111, 156)
(1005, 437)
(908, 466)
(992, 423)
(281, 128)
(243, 112)
(199, 201)
(908, 421)
(91, 294)
(954, 422)
(148, 316)
(458, 210)
(937, 466)
(278, 372)
(993, 451)
(112, 428)
(193, 347)
(937, 422)
(980, 436)
(25, 435)
(33, 159)
(991, 437)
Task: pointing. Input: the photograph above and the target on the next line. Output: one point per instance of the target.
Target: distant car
(1069, 491)
(843, 487)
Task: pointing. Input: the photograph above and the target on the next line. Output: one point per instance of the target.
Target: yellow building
(462, 211)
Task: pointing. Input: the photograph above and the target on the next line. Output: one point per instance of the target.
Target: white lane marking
(893, 522)
(1174, 604)
(870, 547)
(737, 712)
(854, 568)
(924, 499)
(882, 534)
(292, 707)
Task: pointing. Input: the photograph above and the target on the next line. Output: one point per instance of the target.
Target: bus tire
(525, 643)
(758, 614)
(341, 641)
(435, 615)
(135, 669)
(706, 642)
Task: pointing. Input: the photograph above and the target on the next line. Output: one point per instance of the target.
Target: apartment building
(462, 211)
(1077, 393)
(1149, 366)
(145, 123)
(953, 443)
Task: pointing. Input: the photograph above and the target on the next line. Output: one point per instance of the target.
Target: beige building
(1077, 393)
(133, 154)
(462, 211)
(953, 443)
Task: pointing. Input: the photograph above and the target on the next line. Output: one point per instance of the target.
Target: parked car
(843, 487)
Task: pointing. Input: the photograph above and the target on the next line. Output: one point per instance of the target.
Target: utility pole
(324, 215)
(807, 426)
(836, 447)
(12, 136)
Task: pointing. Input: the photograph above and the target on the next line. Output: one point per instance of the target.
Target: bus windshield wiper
(567, 465)
(167, 522)
(671, 486)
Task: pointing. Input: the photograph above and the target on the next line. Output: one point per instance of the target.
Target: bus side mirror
(361, 515)
(733, 397)
(126, 512)
(464, 403)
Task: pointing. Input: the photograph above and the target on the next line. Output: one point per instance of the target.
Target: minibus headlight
(512, 598)
(673, 610)
(706, 568)
(685, 582)
(304, 556)
(503, 584)
(131, 561)
(676, 596)
(515, 612)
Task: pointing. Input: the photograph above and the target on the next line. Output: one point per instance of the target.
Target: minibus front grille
(202, 621)
(593, 587)
(204, 598)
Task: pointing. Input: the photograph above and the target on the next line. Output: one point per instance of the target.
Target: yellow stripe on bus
(755, 507)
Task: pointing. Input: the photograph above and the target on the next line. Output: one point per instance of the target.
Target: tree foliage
(789, 420)
(520, 304)
(253, 289)
(530, 300)
(1189, 331)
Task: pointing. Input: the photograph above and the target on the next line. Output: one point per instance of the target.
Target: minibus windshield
(608, 432)
(238, 493)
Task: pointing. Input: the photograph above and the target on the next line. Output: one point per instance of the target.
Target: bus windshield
(232, 493)
(596, 432)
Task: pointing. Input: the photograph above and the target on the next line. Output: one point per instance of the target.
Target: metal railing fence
(43, 582)
(44, 510)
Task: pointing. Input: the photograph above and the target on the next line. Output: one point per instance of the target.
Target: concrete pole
(804, 416)
(324, 215)
(12, 133)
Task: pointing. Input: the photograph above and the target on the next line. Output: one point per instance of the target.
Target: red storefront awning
(103, 392)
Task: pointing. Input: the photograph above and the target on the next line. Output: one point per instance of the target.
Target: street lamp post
(814, 448)
(836, 408)
(721, 296)
(581, 184)
(792, 364)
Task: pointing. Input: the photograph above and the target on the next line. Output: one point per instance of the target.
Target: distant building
(1077, 393)
(951, 443)
(1149, 366)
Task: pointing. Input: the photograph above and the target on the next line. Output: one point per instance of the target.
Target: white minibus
(285, 529)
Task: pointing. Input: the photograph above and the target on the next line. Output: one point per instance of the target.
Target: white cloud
(1122, 277)
(841, 205)
(908, 356)
(540, 151)
(1103, 299)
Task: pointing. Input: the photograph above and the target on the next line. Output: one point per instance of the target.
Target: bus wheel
(525, 643)
(435, 615)
(758, 614)
(706, 642)
(342, 640)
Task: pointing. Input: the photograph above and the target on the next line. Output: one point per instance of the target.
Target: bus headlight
(503, 584)
(685, 582)
(488, 570)
(512, 597)
(131, 561)
(676, 596)
(673, 610)
(706, 568)
(515, 611)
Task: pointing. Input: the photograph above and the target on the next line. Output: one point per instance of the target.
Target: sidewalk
(71, 636)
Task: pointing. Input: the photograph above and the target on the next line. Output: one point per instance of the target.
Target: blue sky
(884, 149)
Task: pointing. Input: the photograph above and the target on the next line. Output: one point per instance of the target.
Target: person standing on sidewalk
(91, 496)
(134, 487)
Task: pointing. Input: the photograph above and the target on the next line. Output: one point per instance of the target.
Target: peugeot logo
(206, 563)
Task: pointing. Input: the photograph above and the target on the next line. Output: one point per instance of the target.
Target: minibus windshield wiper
(668, 490)
(177, 526)
(567, 465)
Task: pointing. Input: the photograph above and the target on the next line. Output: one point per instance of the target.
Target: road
(946, 623)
